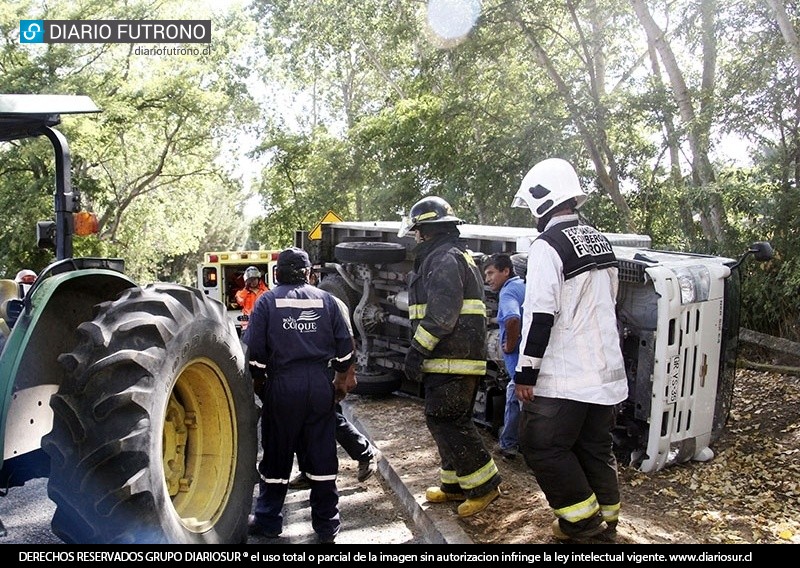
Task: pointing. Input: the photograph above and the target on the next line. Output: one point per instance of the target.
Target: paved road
(371, 514)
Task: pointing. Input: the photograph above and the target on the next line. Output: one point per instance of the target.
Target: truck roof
(23, 116)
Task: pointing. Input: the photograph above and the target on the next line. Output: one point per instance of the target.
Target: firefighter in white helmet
(25, 279)
(570, 374)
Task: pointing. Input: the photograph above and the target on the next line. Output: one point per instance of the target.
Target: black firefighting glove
(413, 364)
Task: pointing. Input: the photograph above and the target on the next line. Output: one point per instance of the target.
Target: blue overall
(295, 330)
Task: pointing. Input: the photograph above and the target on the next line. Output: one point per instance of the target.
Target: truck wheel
(154, 426)
(336, 286)
(381, 384)
(370, 252)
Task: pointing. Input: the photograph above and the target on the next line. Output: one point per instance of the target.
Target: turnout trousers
(298, 416)
(466, 466)
(569, 447)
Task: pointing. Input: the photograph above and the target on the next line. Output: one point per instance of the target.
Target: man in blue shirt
(501, 278)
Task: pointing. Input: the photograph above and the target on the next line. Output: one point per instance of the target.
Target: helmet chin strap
(566, 208)
(541, 224)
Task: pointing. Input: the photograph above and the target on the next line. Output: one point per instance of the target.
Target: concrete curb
(437, 525)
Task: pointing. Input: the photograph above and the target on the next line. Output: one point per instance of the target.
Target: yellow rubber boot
(477, 504)
(436, 495)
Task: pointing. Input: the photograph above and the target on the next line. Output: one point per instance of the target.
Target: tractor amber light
(85, 223)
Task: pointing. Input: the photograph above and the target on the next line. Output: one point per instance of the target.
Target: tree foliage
(639, 95)
(149, 165)
(364, 107)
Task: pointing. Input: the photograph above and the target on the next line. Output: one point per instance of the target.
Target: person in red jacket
(253, 288)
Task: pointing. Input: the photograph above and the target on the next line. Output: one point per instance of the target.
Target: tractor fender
(29, 368)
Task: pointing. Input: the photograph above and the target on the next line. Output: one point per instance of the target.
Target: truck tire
(336, 286)
(154, 435)
(370, 252)
(381, 384)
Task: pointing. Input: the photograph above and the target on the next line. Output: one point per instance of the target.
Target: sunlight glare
(452, 20)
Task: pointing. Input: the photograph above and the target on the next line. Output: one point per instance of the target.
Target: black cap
(294, 257)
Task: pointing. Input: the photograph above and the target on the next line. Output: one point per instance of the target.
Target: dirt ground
(748, 493)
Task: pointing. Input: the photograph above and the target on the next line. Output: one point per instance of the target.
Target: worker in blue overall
(296, 334)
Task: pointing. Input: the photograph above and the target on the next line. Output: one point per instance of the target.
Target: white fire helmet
(25, 276)
(252, 272)
(548, 184)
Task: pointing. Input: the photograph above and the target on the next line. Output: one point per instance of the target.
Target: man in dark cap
(295, 335)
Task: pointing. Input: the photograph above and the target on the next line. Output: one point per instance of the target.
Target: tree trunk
(697, 124)
(593, 139)
(787, 29)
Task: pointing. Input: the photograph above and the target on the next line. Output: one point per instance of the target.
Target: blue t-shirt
(510, 300)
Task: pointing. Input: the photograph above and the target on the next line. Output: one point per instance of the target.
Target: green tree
(150, 164)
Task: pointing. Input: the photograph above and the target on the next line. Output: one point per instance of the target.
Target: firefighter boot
(610, 534)
(593, 527)
(436, 495)
(477, 504)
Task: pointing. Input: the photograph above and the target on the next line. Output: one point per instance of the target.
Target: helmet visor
(518, 202)
(406, 226)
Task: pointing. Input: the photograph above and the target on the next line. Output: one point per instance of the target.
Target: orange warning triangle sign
(316, 232)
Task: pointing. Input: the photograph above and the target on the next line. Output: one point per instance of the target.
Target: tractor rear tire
(154, 434)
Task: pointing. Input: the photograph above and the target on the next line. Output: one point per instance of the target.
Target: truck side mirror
(46, 234)
(761, 251)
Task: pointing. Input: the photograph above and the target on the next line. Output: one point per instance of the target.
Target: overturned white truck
(678, 322)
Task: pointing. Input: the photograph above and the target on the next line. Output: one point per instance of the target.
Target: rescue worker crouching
(448, 353)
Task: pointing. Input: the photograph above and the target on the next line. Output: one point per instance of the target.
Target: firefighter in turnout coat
(448, 353)
(570, 374)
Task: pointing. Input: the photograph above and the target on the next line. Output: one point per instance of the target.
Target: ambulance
(221, 275)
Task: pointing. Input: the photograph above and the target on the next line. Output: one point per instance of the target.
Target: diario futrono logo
(31, 31)
(115, 31)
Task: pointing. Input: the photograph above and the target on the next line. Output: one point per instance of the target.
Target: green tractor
(134, 401)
